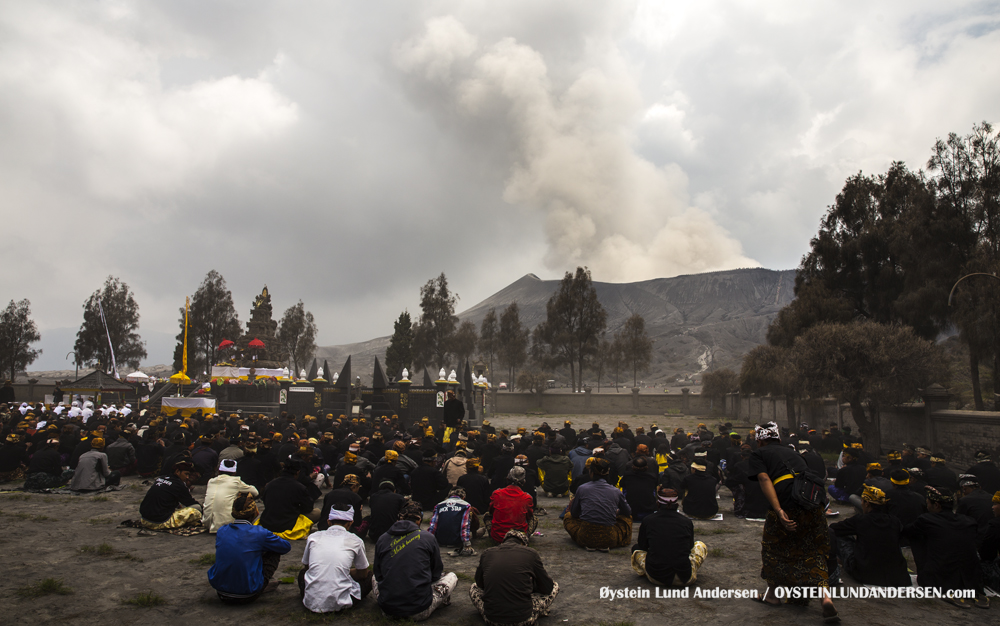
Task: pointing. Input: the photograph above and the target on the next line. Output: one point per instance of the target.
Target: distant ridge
(696, 321)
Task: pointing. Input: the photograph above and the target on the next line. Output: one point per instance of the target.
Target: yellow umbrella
(180, 378)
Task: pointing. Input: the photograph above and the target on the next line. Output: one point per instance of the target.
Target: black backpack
(808, 488)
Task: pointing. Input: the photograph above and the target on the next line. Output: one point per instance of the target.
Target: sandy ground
(54, 536)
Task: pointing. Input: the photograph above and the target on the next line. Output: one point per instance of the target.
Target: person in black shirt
(476, 486)
(873, 557)
(987, 472)
(989, 548)
(940, 476)
(639, 487)
(850, 477)
(666, 552)
(454, 413)
(346, 493)
(288, 505)
(748, 499)
(168, 502)
(944, 547)
(901, 501)
(795, 541)
(388, 469)
(700, 489)
(385, 505)
(974, 502)
(512, 586)
(428, 484)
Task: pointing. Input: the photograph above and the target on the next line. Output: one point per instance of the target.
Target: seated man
(599, 517)
(220, 493)
(700, 488)
(666, 552)
(512, 586)
(346, 493)
(902, 502)
(335, 573)
(555, 472)
(121, 455)
(511, 508)
(385, 505)
(92, 469)
(476, 485)
(944, 548)
(45, 467)
(288, 503)
(989, 548)
(873, 557)
(408, 569)
(850, 478)
(168, 503)
(246, 556)
(873, 478)
(639, 487)
(454, 523)
(974, 502)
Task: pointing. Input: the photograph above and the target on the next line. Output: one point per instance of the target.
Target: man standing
(454, 413)
(408, 570)
(512, 586)
(335, 574)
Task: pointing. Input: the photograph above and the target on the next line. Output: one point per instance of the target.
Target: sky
(346, 153)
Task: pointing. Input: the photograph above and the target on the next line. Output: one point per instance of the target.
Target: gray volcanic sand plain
(57, 536)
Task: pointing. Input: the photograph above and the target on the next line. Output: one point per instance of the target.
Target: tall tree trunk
(790, 413)
(996, 376)
(977, 393)
(867, 425)
(572, 375)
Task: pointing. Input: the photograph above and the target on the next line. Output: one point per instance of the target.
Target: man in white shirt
(220, 493)
(336, 574)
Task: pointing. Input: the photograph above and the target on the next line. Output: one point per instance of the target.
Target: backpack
(808, 488)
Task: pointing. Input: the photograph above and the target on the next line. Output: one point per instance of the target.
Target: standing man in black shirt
(454, 413)
(796, 540)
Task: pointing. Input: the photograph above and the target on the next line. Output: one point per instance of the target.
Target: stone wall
(817, 413)
(957, 435)
(624, 403)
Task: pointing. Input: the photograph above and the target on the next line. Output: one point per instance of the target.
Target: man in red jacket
(511, 509)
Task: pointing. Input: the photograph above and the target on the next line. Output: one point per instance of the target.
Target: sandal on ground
(959, 602)
(830, 615)
(761, 600)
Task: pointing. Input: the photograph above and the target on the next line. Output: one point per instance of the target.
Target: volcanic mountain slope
(696, 321)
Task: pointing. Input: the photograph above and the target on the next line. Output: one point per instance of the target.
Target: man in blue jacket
(246, 556)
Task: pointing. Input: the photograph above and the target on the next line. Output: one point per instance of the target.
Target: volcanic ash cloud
(603, 205)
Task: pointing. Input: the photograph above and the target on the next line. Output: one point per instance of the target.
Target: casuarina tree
(121, 315)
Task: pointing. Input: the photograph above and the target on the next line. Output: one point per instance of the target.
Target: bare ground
(63, 537)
